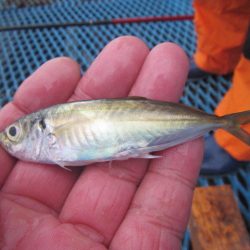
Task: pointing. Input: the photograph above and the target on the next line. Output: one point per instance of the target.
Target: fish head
(20, 139)
(12, 138)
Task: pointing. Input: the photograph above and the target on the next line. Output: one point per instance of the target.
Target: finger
(39, 179)
(53, 83)
(114, 71)
(163, 75)
(41, 89)
(158, 214)
(138, 228)
(104, 205)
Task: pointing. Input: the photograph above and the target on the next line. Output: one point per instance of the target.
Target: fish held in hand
(80, 133)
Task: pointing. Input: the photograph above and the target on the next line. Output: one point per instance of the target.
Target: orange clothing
(236, 99)
(221, 27)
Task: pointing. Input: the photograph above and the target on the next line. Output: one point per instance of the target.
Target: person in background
(223, 47)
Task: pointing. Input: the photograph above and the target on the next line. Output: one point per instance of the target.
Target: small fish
(80, 133)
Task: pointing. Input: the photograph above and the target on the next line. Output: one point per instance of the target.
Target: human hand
(134, 204)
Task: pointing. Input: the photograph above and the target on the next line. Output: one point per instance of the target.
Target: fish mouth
(2, 139)
(4, 142)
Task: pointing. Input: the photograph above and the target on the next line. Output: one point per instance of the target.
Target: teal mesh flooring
(21, 52)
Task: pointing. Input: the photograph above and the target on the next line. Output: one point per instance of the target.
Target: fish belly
(103, 140)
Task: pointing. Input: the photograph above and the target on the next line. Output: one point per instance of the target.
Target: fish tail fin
(234, 123)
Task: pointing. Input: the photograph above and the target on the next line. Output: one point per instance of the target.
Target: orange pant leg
(236, 99)
(221, 27)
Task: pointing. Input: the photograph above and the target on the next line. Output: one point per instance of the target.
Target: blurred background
(22, 51)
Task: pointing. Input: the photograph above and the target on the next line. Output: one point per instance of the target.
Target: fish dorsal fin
(127, 98)
(136, 98)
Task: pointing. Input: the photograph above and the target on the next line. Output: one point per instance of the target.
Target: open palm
(134, 204)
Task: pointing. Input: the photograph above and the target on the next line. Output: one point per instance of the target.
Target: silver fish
(80, 133)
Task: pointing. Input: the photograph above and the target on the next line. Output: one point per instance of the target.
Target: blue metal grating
(21, 52)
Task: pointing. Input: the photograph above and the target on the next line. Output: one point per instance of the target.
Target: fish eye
(13, 132)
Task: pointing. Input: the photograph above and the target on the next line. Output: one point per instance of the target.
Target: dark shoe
(195, 72)
(216, 160)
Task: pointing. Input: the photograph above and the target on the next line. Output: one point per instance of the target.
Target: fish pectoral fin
(70, 126)
(127, 154)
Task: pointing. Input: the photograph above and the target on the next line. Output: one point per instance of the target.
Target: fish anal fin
(62, 165)
(149, 156)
